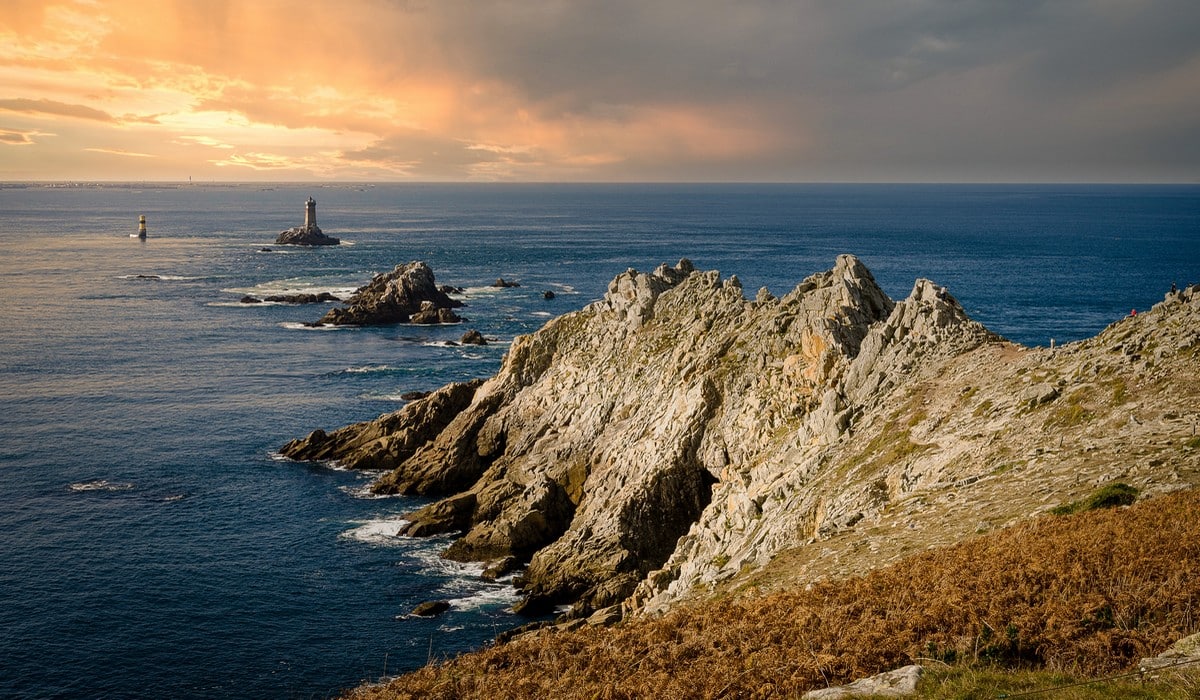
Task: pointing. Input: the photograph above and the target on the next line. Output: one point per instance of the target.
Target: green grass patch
(965, 682)
(1110, 496)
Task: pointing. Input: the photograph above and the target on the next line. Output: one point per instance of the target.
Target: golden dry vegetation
(1085, 594)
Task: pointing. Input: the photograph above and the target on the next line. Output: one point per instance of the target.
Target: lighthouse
(309, 233)
(310, 213)
(141, 228)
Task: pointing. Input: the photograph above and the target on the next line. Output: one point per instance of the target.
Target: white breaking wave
(545, 314)
(372, 368)
(364, 492)
(340, 288)
(161, 278)
(100, 485)
(295, 326)
(432, 564)
(382, 531)
(492, 595)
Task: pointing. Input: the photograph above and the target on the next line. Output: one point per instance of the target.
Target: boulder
(431, 608)
(472, 337)
(901, 682)
(430, 314)
(394, 297)
(547, 295)
(1186, 651)
(499, 568)
(310, 235)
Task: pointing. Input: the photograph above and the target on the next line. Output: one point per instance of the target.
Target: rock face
(406, 294)
(675, 436)
(310, 234)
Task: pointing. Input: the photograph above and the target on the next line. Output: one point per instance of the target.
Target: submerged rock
(503, 283)
(292, 298)
(398, 296)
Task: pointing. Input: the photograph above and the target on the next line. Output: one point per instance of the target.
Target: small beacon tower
(310, 213)
(141, 226)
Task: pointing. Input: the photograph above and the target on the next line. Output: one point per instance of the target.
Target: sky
(601, 90)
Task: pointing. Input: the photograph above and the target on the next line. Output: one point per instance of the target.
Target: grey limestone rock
(901, 682)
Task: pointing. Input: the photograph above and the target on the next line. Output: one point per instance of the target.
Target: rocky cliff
(675, 437)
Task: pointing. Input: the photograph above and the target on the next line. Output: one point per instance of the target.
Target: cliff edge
(676, 438)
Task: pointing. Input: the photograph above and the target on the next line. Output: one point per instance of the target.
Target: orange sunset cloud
(585, 90)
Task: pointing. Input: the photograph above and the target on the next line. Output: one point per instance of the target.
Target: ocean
(152, 544)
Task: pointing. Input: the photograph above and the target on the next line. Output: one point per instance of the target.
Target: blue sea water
(151, 545)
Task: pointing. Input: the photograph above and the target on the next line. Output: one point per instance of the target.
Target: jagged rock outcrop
(406, 294)
(309, 234)
(674, 436)
(388, 440)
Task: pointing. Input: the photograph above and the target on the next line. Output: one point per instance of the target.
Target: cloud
(16, 138)
(55, 108)
(120, 152)
(258, 161)
(425, 155)
(619, 89)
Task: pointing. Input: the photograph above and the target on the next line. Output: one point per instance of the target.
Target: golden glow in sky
(562, 90)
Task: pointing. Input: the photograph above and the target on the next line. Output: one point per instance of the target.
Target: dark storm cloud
(928, 83)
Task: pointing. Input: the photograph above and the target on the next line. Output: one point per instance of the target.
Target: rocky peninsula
(676, 439)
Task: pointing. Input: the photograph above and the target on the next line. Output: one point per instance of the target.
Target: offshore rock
(320, 298)
(675, 436)
(431, 608)
(472, 337)
(395, 297)
(310, 235)
(430, 314)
